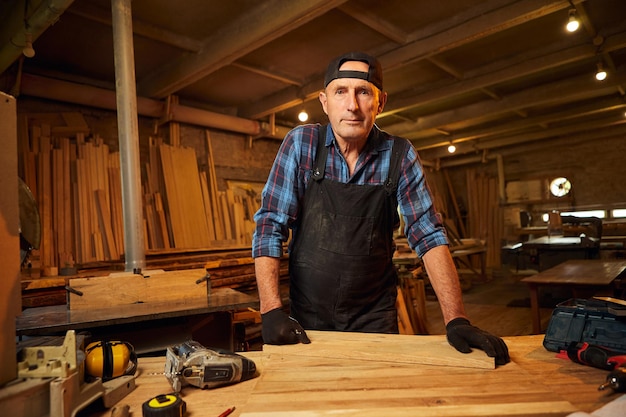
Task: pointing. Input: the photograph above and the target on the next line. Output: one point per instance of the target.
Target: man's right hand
(278, 328)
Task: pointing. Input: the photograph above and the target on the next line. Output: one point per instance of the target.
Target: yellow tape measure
(164, 405)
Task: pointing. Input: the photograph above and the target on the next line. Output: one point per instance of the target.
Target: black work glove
(463, 337)
(277, 328)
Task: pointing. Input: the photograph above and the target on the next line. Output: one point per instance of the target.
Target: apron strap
(397, 151)
(322, 153)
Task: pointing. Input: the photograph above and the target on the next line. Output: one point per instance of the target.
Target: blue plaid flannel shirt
(291, 172)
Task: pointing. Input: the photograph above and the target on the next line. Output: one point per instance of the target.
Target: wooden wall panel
(10, 300)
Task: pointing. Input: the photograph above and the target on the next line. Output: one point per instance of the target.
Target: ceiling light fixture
(572, 22)
(28, 50)
(451, 148)
(601, 73)
(303, 116)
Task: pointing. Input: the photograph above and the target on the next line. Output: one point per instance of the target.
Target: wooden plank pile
(485, 219)
(184, 207)
(76, 181)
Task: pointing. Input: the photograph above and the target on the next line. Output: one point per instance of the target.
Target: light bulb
(28, 50)
(572, 23)
(452, 148)
(601, 74)
(303, 116)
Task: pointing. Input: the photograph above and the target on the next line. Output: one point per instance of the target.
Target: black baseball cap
(374, 75)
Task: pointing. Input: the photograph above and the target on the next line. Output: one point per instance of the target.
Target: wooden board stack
(485, 214)
(76, 181)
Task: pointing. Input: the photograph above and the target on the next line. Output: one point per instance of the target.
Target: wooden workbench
(575, 274)
(148, 326)
(352, 374)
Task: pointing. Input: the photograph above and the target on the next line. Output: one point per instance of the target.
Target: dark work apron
(342, 275)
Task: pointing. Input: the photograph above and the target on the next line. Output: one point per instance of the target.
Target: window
(601, 214)
(617, 213)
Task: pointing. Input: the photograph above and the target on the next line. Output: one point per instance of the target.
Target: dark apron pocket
(346, 235)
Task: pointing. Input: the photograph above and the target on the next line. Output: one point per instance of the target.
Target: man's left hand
(463, 337)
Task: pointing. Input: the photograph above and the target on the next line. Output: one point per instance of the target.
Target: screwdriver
(616, 380)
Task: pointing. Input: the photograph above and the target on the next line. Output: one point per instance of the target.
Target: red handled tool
(603, 358)
(596, 356)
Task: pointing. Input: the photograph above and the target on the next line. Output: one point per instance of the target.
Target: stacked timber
(76, 180)
(226, 268)
(485, 218)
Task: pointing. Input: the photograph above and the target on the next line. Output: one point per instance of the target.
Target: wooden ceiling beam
(268, 74)
(373, 21)
(509, 69)
(446, 160)
(97, 14)
(597, 107)
(269, 20)
(572, 89)
(493, 20)
(492, 16)
(608, 127)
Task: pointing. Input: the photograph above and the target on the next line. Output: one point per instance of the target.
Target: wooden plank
(404, 322)
(355, 374)
(115, 187)
(406, 349)
(225, 263)
(296, 386)
(236, 215)
(78, 245)
(45, 208)
(206, 199)
(225, 214)
(75, 119)
(84, 253)
(455, 204)
(69, 257)
(162, 221)
(196, 215)
(57, 199)
(104, 215)
(173, 203)
(220, 233)
(128, 288)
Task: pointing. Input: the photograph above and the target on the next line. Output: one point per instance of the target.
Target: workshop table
(356, 374)
(576, 274)
(549, 251)
(148, 326)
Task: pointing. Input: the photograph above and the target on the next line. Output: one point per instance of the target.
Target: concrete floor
(488, 306)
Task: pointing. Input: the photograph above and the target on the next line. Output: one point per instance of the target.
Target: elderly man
(338, 189)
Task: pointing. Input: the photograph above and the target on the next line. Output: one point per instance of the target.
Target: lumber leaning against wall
(76, 181)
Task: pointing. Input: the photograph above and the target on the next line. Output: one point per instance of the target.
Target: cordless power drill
(602, 358)
(190, 363)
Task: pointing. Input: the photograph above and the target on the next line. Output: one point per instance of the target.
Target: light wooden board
(349, 374)
(536, 383)
(127, 288)
(396, 349)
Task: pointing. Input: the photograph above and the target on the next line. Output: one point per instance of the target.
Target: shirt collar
(376, 141)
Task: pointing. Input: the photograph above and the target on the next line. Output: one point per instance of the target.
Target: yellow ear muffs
(110, 359)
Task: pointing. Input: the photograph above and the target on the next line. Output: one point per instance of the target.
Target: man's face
(352, 104)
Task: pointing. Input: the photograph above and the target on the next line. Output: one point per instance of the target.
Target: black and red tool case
(594, 321)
